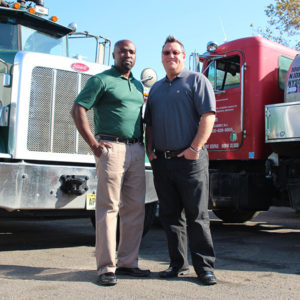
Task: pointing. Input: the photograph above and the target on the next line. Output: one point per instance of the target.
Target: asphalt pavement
(54, 259)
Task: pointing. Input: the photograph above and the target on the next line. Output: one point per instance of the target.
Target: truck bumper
(27, 186)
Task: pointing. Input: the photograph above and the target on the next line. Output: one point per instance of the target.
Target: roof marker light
(54, 18)
(16, 5)
(31, 10)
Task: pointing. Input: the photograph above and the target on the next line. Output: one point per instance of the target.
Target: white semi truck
(46, 168)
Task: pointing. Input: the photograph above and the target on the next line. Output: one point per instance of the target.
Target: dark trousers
(182, 187)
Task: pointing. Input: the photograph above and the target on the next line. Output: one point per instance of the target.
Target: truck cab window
(35, 41)
(283, 67)
(225, 73)
(9, 37)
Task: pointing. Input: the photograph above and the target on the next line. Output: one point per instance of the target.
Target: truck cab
(24, 31)
(247, 74)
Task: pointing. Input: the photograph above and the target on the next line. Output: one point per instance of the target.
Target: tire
(235, 216)
(92, 217)
(150, 211)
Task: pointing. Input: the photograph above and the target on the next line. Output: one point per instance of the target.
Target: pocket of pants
(105, 153)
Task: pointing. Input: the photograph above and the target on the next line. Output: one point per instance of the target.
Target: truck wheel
(93, 220)
(150, 210)
(235, 216)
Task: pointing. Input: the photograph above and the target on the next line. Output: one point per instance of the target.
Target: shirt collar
(179, 75)
(117, 73)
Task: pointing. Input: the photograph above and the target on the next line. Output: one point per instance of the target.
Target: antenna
(222, 25)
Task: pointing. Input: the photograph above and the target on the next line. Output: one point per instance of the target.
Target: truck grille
(50, 125)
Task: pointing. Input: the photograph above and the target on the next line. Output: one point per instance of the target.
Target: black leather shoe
(207, 278)
(173, 272)
(135, 272)
(107, 279)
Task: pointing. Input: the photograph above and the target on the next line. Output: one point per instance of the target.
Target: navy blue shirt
(174, 109)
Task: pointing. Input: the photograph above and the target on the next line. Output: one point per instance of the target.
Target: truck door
(226, 75)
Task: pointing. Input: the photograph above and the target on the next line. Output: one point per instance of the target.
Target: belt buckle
(167, 154)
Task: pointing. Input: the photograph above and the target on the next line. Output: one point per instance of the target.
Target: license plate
(91, 202)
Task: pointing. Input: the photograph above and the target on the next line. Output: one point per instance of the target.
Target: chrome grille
(50, 125)
(39, 111)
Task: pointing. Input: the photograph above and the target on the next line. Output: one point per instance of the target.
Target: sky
(148, 23)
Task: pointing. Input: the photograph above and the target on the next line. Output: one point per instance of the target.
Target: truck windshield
(35, 41)
(9, 40)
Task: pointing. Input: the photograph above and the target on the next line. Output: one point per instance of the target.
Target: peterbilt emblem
(80, 67)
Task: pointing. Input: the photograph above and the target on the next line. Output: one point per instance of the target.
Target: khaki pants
(121, 189)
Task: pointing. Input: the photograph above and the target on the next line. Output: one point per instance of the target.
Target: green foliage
(284, 22)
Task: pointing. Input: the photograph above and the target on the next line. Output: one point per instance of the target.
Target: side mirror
(6, 75)
(148, 77)
(6, 80)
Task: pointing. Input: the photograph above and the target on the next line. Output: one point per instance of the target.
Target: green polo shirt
(116, 102)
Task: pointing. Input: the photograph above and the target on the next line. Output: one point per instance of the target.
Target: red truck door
(226, 74)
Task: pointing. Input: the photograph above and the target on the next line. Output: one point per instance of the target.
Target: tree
(284, 22)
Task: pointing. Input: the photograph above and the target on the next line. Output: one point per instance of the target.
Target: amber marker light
(31, 10)
(146, 96)
(54, 18)
(16, 5)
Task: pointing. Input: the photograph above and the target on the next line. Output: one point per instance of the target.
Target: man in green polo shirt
(116, 98)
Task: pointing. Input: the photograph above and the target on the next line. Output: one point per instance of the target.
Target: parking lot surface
(54, 259)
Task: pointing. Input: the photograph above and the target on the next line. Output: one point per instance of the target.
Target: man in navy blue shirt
(179, 117)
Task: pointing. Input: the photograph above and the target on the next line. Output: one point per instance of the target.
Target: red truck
(254, 154)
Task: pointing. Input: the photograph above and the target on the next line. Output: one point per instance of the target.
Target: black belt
(119, 140)
(168, 154)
